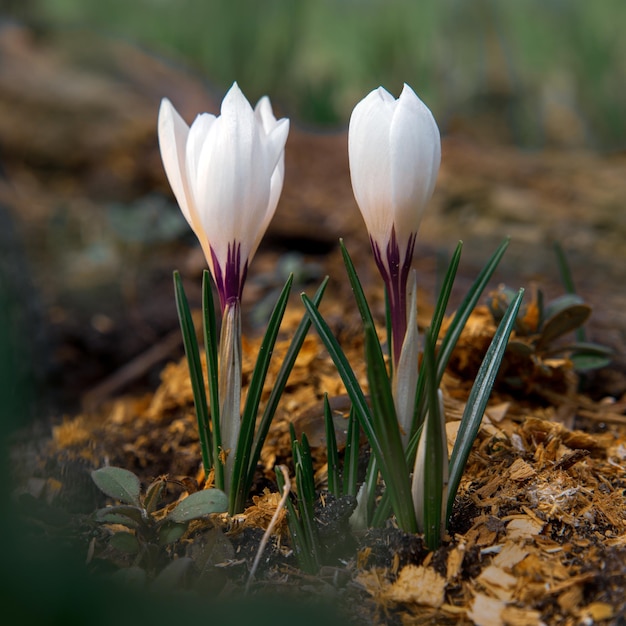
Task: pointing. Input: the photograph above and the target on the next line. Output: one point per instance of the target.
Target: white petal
(276, 187)
(277, 132)
(415, 156)
(232, 182)
(196, 144)
(276, 140)
(369, 153)
(264, 114)
(173, 134)
(395, 151)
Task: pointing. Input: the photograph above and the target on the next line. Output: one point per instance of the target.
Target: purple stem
(395, 272)
(230, 280)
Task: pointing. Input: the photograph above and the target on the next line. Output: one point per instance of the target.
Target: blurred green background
(551, 71)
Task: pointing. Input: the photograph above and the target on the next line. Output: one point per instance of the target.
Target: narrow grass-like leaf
(383, 509)
(465, 309)
(332, 454)
(305, 481)
(195, 372)
(435, 475)
(479, 395)
(371, 482)
(279, 386)
(239, 488)
(435, 326)
(387, 433)
(211, 347)
(351, 458)
(445, 291)
(345, 371)
(364, 416)
(306, 559)
(357, 289)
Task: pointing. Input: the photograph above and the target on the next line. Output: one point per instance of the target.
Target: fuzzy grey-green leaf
(124, 542)
(199, 504)
(118, 483)
(130, 516)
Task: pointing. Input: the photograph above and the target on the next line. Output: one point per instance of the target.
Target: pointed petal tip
(235, 101)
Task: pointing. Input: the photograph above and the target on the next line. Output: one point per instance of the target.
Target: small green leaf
(127, 515)
(565, 320)
(118, 483)
(519, 348)
(585, 361)
(561, 303)
(200, 504)
(125, 542)
(171, 532)
(153, 495)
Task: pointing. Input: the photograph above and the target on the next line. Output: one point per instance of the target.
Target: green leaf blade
(199, 504)
(479, 396)
(239, 486)
(118, 483)
(195, 371)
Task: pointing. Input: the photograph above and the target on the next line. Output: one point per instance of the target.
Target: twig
(270, 528)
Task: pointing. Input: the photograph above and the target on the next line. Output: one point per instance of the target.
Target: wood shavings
(523, 527)
(498, 582)
(510, 555)
(486, 611)
(419, 585)
(520, 471)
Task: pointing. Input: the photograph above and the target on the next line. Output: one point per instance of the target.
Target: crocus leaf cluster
(227, 174)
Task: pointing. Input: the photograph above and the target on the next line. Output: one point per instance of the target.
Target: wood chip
(486, 611)
(521, 471)
(510, 555)
(523, 528)
(418, 585)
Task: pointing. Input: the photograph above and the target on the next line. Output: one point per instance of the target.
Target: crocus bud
(227, 173)
(395, 151)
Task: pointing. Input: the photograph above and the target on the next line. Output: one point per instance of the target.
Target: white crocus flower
(226, 172)
(395, 151)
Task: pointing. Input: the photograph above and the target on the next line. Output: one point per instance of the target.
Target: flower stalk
(230, 385)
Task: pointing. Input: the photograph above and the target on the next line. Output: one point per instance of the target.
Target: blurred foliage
(548, 68)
